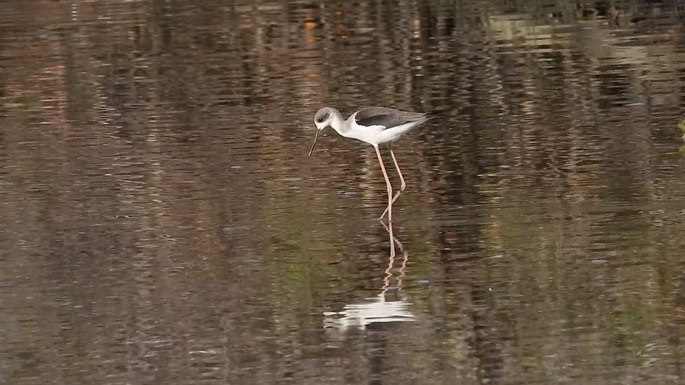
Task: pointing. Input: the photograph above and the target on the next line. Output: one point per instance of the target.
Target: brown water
(162, 224)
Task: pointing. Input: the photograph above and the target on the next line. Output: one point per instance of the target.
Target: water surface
(161, 222)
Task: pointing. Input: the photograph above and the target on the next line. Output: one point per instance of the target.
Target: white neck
(338, 123)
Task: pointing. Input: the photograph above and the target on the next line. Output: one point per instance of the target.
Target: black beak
(314, 144)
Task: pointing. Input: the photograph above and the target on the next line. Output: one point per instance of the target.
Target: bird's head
(323, 118)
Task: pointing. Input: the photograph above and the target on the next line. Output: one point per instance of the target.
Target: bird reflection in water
(380, 309)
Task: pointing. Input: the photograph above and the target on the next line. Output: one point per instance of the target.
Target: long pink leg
(389, 209)
(387, 183)
(403, 184)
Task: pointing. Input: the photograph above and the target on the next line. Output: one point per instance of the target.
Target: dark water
(161, 222)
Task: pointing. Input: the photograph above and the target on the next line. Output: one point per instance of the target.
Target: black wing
(386, 117)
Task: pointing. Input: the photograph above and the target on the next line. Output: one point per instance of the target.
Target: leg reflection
(391, 260)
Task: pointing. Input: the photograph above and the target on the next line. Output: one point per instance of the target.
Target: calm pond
(163, 224)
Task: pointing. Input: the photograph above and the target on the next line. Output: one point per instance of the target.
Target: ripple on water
(161, 215)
